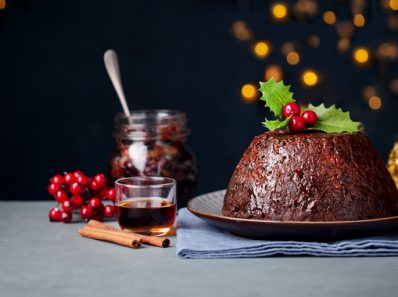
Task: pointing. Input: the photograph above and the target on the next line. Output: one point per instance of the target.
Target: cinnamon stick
(155, 241)
(152, 240)
(111, 236)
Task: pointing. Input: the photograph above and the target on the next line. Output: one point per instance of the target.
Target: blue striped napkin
(197, 239)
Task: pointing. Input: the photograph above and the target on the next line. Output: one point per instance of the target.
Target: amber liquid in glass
(149, 216)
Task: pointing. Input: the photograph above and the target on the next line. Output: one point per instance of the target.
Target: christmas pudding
(315, 167)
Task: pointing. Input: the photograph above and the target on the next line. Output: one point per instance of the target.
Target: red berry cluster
(297, 122)
(76, 191)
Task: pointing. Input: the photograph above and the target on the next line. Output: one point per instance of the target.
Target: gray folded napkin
(197, 239)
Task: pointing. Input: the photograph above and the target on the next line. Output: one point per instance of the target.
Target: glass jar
(153, 143)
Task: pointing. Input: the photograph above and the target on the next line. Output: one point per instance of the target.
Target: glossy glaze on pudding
(311, 177)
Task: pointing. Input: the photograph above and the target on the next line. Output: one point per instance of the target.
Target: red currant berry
(61, 196)
(110, 194)
(100, 179)
(77, 200)
(76, 189)
(94, 202)
(291, 109)
(109, 211)
(309, 117)
(53, 189)
(69, 178)
(67, 206)
(66, 217)
(54, 215)
(57, 180)
(78, 173)
(86, 212)
(296, 124)
(83, 180)
(95, 186)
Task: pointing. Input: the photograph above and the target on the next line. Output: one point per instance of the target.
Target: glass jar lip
(158, 116)
(167, 182)
(149, 124)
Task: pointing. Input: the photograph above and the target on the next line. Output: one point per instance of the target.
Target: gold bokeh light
(249, 92)
(343, 45)
(393, 4)
(369, 91)
(293, 58)
(361, 55)
(359, 20)
(287, 47)
(392, 22)
(3, 4)
(314, 40)
(306, 7)
(273, 71)
(345, 29)
(310, 78)
(241, 31)
(394, 85)
(279, 11)
(375, 102)
(261, 49)
(329, 17)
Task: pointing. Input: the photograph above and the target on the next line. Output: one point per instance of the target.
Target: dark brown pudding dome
(311, 177)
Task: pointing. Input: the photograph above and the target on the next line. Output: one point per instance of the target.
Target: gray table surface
(39, 258)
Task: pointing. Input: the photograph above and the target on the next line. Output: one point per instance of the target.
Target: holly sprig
(276, 124)
(330, 119)
(333, 120)
(275, 95)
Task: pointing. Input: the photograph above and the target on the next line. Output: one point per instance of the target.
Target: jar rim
(141, 116)
(148, 123)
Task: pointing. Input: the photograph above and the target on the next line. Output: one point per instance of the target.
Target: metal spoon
(112, 67)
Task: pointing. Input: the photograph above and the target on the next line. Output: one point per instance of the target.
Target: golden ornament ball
(392, 163)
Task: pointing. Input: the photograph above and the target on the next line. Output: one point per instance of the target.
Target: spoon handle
(112, 67)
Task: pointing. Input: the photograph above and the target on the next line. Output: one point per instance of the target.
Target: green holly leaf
(275, 95)
(276, 124)
(333, 120)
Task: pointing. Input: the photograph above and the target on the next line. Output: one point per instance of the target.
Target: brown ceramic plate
(208, 207)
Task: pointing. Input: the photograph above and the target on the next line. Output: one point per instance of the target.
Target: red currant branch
(76, 192)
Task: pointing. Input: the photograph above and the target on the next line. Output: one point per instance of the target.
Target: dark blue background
(58, 104)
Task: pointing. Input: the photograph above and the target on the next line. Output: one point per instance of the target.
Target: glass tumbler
(146, 205)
